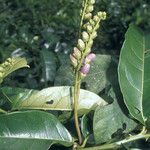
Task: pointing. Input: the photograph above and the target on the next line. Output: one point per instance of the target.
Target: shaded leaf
(111, 120)
(32, 130)
(96, 80)
(64, 76)
(54, 98)
(134, 73)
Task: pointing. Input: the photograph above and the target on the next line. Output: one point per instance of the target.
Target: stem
(119, 143)
(76, 97)
(82, 16)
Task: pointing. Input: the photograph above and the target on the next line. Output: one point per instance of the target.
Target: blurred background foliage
(45, 32)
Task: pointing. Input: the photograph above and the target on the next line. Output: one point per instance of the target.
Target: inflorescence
(82, 56)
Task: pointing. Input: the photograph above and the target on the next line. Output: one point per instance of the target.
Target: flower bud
(73, 61)
(85, 25)
(91, 2)
(92, 23)
(96, 18)
(97, 27)
(1, 69)
(85, 69)
(89, 29)
(90, 43)
(89, 8)
(9, 60)
(77, 53)
(94, 35)
(1, 74)
(102, 15)
(6, 63)
(90, 57)
(88, 50)
(81, 45)
(85, 36)
(88, 16)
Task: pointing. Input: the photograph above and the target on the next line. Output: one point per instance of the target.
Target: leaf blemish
(50, 102)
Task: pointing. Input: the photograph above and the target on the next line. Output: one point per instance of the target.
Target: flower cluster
(90, 25)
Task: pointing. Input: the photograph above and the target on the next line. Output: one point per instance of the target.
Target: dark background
(28, 27)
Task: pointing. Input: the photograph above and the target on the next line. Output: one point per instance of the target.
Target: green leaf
(10, 65)
(54, 98)
(49, 65)
(84, 126)
(64, 76)
(134, 73)
(111, 120)
(32, 130)
(95, 81)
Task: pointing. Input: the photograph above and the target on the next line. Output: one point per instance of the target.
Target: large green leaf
(111, 120)
(31, 130)
(49, 65)
(95, 81)
(54, 98)
(134, 73)
(10, 65)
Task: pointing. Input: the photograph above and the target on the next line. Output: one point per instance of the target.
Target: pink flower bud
(90, 57)
(85, 69)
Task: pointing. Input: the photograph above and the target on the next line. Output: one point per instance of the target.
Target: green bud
(1, 74)
(94, 35)
(90, 43)
(88, 16)
(73, 61)
(92, 2)
(102, 15)
(1, 69)
(89, 8)
(77, 53)
(89, 29)
(9, 60)
(6, 63)
(81, 45)
(88, 50)
(97, 27)
(85, 25)
(85, 36)
(92, 22)
(96, 18)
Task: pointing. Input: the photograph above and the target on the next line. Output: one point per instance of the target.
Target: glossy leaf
(111, 120)
(134, 73)
(54, 98)
(32, 130)
(49, 65)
